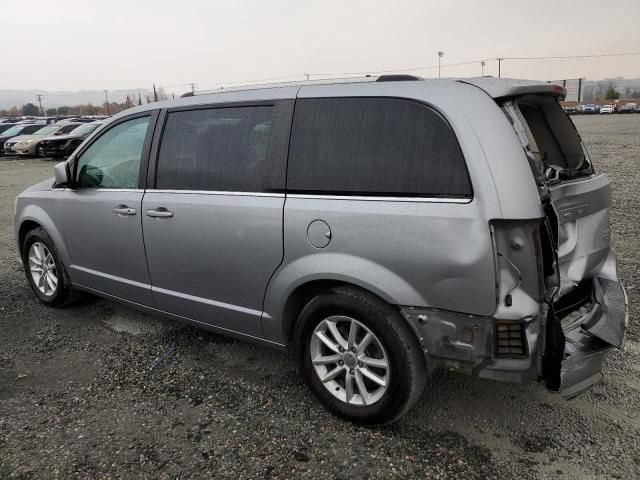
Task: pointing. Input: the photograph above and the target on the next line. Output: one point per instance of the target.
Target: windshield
(86, 128)
(47, 130)
(13, 131)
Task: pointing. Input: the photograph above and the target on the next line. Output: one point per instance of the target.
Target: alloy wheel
(43, 269)
(350, 360)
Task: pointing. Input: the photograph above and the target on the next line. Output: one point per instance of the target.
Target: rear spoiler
(501, 88)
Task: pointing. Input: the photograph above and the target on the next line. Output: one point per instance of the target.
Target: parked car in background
(19, 129)
(571, 110)
(628, 108)
(63, 145)
(28, 144)
(607, 109)
(590, 108)
(373, 227)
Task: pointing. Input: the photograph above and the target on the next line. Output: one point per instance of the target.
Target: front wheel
(44, 269)
(359, 356)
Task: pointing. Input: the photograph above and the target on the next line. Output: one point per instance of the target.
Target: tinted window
(223, 149)
(28, 130)
(381, 146)
(113, 160)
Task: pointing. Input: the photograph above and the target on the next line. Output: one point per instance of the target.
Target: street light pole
(40, 102)
(440, 54)
(106, 97)
(499, 66)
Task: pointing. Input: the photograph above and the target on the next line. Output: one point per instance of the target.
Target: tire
(393, 343)
(32, 258)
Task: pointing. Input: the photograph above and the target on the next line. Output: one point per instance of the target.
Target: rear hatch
(587, 305)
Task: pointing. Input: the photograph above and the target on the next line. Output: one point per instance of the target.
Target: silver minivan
(380, 229)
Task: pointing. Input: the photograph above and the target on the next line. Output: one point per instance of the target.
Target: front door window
(113, 161)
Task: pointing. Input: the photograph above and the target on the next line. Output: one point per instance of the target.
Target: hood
(24, 138)
(40, 187)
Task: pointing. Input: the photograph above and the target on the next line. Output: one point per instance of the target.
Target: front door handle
(160, 213)
(124, 210)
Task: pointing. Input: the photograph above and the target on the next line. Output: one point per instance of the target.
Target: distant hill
(52, 99)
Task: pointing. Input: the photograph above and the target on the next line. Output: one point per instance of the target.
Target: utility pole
(193, 88)
(440, 54)
(307, 75)
(482, 64)
(106, 98)
(40, 102)
(499, 67)
(579, 88)
(155, 94)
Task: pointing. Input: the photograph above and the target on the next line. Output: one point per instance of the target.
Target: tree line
(31, 110)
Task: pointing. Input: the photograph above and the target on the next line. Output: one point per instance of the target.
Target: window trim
(380, 198)
(389, 196)
(154, 157)
(144, 157)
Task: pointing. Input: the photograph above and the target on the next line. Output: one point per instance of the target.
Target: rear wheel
(44, 269)
(359, 356)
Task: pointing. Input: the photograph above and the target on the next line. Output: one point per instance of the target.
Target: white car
(607, 109)
(28, 144)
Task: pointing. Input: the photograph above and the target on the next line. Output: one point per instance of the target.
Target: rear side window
(374, 146)
(222, 149)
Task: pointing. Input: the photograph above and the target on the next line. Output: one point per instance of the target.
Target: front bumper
(20, 149)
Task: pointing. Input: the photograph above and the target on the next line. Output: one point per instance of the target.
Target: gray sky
(115, 44)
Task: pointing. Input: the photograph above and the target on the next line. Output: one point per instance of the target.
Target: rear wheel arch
(306, 292)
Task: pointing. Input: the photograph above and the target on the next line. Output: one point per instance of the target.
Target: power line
(499, 59)
(193, 86)
(561, 57)
(241, 82)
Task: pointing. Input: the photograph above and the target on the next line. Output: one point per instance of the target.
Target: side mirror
(61, 172)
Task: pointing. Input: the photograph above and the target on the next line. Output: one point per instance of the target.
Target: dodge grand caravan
(380, 229)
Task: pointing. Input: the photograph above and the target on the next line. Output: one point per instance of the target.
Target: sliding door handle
(160, 213)
(124, 210)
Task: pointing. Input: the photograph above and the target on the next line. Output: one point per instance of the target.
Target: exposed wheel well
(303, 295)
(25, 228)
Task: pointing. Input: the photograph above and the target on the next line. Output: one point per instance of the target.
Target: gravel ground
(79, 397)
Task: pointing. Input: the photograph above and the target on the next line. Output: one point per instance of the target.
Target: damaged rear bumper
(469, 344)
(590, 336)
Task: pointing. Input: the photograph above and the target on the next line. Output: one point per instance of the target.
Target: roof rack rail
(397, 78)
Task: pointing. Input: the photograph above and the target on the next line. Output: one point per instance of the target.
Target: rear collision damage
(560, 307)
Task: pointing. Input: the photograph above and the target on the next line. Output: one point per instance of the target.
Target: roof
(494, 87)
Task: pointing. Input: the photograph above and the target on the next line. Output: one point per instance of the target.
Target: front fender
(35, 213)
(339, 267)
